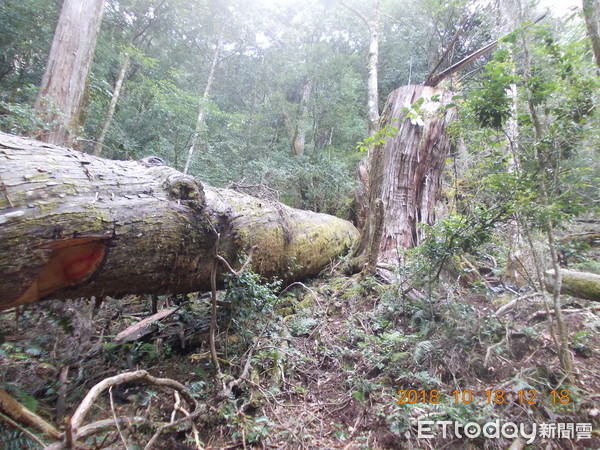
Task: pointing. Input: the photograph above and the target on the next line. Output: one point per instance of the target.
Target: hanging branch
(435, 80)
(461, 29)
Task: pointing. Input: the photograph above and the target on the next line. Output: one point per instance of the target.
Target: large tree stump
(75, 225)
(406, 171)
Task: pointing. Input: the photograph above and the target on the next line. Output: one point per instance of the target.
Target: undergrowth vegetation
(342, 361)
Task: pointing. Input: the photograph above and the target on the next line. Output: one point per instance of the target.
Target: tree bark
(64, 82)
(297, 134)
(362, 174)
(373, 25)
(75, 225)
(591, 11)
(372, 68)
(406, 171)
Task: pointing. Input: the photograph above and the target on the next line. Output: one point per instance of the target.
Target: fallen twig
(164, 427)
(101, 425)
(112, 408)
(513, 302)
(29, 434)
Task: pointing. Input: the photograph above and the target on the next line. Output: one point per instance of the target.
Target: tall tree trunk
(64, 82)
(406, 171)
(372, 68)
(298, 133)
(113, 103)
(591, 11)
(75, 225)
(204, 101)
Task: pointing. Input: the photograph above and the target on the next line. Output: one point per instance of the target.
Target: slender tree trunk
(372, 68)
(113, 104)
(545, 169)
(591, 11)
(361, 194)
(373, 24)
(406, 171)
(69, 62)
(75, 225)
(203, 102)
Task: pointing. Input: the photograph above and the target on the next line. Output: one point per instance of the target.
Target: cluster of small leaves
(456, 235)
(246, 428)
(380, 138)
(252, 301)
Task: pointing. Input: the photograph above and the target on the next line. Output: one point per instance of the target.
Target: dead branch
(435, 80)
(193, 415)
(491, 348)
(114, 413)
(513, 302)
(29, 434)
(102, 425)
(128, 377)
(17, 412)
(543, 313)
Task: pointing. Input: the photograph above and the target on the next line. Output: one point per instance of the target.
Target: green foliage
(252, 301)
(583, 343)
(14, 439)
(380, 138)
(545, 171)
(247, 428)
(491, 103)
(20, 118)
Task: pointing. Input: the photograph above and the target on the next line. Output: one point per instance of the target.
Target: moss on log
(578, 284)
(75, 225)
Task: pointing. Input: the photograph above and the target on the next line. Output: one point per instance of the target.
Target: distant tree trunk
(64, 82)
(406, 171)
(204, 101)
(373, 23)
(591, 11)
(362, 174)
(75, 225)
(138, 32)
(113, 104)
(297, 133)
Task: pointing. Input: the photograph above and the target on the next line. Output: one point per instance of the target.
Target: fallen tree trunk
(75, 225)
(578, 284)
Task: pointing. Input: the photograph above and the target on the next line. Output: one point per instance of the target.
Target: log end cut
(71, 263)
